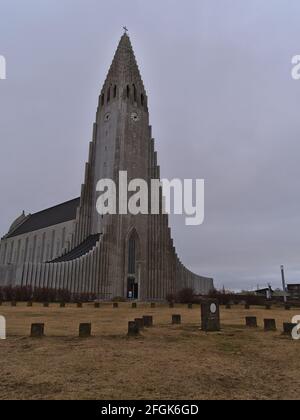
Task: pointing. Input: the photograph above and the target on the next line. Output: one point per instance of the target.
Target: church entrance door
(132, 288)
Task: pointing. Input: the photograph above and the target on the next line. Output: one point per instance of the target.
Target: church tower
(122, 142)
(120, 137)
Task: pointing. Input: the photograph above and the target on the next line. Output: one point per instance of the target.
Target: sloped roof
(53, 216)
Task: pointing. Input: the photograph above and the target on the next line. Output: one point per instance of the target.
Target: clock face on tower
(135, 116)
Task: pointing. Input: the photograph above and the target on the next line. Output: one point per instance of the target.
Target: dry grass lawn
(166, 362)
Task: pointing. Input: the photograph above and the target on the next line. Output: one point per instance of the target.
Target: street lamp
(283, 284)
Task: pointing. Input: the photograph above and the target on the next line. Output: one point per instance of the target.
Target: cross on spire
(125, 29)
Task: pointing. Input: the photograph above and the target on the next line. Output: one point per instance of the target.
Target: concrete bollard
(176, 319)
(251, 322)
(148, 321)
(115, 305)
(288, 328)
(153, 305)
(97, 305)
(13, 303)
(270, 325)
(133, 329)
(62, 305)
(29, 304)
(85, 330)
(46, 305)
(140, 323)
(37, 330)
(134, 305)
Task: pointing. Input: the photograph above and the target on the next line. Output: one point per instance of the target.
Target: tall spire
(124, 68)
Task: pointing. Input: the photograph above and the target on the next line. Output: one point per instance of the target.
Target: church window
(11, 252)
(108, 95)
(142, 100)
(102, 100)
(26, 249)
(4, 254)
(18, 252)
(131, 255)
(115, 91)
(134, 93)
(34, 249)
(43, 246)
(128, 91)
(52, 244)
(63, 239)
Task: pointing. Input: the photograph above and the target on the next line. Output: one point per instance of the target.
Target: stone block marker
(148, 321)
(270, 325)
(153, 305)
(134, 305)
(85, 330)
(210, 315)
(115, 305)
(13, 303)
(140, 323)
(97, 305)
(133, 329)
(288, 328)
(29, 304)
(251, 322)
(176, 319)
(37, 330)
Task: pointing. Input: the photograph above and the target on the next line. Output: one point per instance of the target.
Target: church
(70, 246)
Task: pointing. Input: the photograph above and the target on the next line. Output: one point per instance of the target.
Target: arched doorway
(132, 267)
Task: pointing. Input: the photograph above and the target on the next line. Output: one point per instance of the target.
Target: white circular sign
(213, 308)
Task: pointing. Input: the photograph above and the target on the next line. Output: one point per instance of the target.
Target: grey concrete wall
(33, 247)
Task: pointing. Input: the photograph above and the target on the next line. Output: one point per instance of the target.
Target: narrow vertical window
(128, 91)
(26, 250)
(34, 249)
(108, 95)
(4, 254)
(43, 247)
(115, 91)
(52, 245)
(18, 252)
(131, 256)
(134, 93)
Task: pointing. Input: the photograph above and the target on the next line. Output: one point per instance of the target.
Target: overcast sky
(223, 107)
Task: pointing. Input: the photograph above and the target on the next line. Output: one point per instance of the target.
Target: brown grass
(166, 362)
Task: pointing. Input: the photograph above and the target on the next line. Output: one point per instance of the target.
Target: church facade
(71, 246)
